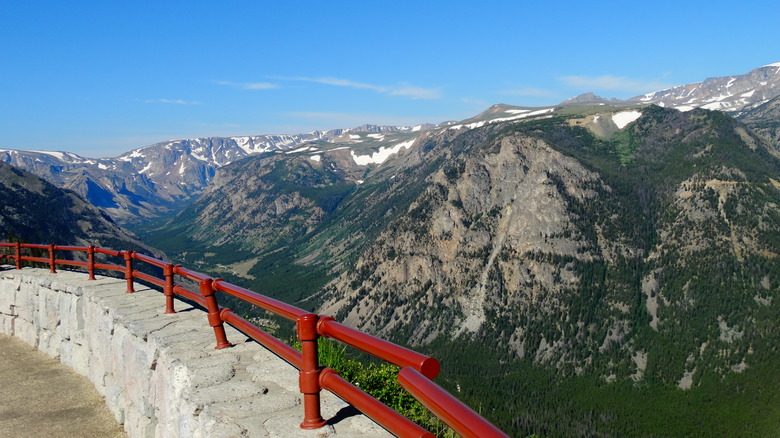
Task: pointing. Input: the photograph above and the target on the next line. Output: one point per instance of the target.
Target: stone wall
(160, 374)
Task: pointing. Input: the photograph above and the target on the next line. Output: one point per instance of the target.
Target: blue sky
(101, 78)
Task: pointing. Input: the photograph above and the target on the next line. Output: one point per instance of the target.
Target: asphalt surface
(40, 397)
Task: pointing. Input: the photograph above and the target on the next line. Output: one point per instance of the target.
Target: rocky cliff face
(483, 216)
(765, 121)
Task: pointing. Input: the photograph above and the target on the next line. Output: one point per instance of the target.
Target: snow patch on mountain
(521, 114)
(623, 118)
(382, 154)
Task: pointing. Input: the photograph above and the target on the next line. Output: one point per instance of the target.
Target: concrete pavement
(40, 397)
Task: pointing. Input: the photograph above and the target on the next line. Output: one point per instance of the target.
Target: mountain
(255, 206)
(35, 211)
(765, 120)
(591, 99)
(632, 247)
(156, 180)
(729, 93)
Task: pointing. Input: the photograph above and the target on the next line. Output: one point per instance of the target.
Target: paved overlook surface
(158, 374)
(40, 397)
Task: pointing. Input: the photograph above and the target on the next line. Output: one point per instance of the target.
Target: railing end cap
(430, 368)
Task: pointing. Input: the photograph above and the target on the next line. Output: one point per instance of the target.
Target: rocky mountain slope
(35, 211)
(765, 120)
(537, 240)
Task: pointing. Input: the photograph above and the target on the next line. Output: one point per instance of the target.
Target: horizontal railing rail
(415, 376)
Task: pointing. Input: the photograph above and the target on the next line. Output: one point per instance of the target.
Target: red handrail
(452, 411)
(149, 260)
(283, 350)
(380, 348)
(280, 308)
(108, 252)
(416, 369)
(378, 411)
(149, 278)
(70, 248)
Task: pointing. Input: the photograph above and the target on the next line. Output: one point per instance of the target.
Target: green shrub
(380, 380)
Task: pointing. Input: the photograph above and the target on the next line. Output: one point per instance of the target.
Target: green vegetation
(380, 381)
(523, 399)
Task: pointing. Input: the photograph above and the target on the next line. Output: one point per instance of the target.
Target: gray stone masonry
(160, 374)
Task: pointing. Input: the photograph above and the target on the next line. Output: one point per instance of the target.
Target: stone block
(115, 398)
(27, 302)
(80, 358)
(49, 343)
(26, 331)
(7, 324)
(7, 296)
(48, 314)
(138, 425)
(67, 316)
(96, 373)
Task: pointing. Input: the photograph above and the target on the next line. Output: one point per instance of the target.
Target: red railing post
(18, 255)
(51, 259)
(168, 288)
(215, 321)
(91, 261)
(309, 377)
(129, 270)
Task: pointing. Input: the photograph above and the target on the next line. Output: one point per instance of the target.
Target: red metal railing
(415, 376)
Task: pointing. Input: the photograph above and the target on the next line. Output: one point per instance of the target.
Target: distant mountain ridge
(733, 94)
(35, 211)
(156, 180)
(729, 93)
(153, 180)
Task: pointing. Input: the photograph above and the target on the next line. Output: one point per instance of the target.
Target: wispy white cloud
(613, 83)
(173, 101)
(417, 92)
(248, 85)
(530, 91)
(342, 120)
(321, 115)
(403, 89)
(476, 102)
(343, 83)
